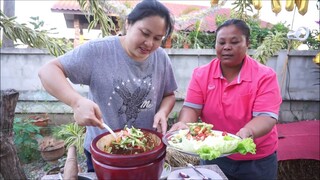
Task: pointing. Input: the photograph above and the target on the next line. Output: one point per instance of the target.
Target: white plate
(166, 171)
(169, 135)
(174, 175)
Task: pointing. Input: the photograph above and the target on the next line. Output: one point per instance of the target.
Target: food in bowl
(142, 166)
(199, 139)
(130, 141)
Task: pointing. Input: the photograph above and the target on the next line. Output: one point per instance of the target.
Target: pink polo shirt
(229, 106)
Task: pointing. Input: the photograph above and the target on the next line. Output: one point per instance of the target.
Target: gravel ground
(37, 169)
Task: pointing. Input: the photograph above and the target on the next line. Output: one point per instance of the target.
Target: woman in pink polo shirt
(238, 95)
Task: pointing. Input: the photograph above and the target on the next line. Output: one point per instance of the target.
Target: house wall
(299, 82)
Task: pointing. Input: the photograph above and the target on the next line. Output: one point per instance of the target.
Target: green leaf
(246, 146)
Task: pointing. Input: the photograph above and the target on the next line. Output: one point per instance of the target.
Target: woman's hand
(178, 126)
(257, 127)
(245, 133)
(87, 113)
(160, 122)
(186, 115)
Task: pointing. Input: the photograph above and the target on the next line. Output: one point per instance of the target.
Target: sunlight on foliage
(33, 38)
(271, 44)
(72, 134)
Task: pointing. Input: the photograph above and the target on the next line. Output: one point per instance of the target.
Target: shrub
(25, 139)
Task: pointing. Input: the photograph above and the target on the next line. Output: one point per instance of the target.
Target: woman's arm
(257, 127)
(54, 80)
(186, 115)
(161, 117)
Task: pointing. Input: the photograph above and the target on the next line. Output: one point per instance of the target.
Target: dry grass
(300, 169)
(177, 159)
(288, 170)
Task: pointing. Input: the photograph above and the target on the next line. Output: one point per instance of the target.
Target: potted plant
(71, 134)
(26, 136)
(180, 40)
(51, 149)
(41, 120)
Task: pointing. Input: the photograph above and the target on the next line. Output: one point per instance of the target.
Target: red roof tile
(63, 5)
(178, 10)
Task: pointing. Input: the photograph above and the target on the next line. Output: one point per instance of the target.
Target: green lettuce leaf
(246, 146)
(242, 146)
(208, 153)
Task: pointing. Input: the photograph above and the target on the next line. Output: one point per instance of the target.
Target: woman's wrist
(247, 131)
(251, 135)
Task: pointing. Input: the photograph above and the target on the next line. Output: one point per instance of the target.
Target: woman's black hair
(240, 24)
(148, 8)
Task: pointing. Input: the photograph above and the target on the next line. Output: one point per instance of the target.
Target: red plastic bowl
(147, 165)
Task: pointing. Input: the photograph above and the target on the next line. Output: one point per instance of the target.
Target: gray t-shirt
(128, 92)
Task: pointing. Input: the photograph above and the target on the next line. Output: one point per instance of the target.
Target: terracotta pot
(168, 43)
(51, 149)
(147, 165)
(40, 120)
(186, 46)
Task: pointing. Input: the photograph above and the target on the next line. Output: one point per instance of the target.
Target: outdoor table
(213, 167)
(299, 140)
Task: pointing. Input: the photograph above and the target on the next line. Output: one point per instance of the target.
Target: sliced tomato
(196, 129)
(189, 136)
(224, 133)
(204, 130)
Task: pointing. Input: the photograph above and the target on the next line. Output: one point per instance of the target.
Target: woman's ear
(127, 25)
(248, 43)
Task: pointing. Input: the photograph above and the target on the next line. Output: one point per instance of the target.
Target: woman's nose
(227, 47)
(148, 42)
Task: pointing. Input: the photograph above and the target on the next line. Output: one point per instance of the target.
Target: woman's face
(144, 36)
(231, 46)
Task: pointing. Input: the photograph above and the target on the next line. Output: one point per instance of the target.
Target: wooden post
(10, 164)
(71, 166)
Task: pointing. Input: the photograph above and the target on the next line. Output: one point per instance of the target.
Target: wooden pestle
(71, 165)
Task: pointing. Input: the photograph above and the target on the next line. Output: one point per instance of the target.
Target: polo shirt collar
(245, 73)
(246, 70)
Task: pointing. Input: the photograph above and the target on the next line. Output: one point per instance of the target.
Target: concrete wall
(299, 82)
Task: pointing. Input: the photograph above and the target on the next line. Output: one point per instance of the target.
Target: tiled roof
(63, 6)
(178, 10)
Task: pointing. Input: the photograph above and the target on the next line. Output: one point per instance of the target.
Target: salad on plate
(199, 139)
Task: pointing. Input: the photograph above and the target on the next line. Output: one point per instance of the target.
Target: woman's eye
(144, 33)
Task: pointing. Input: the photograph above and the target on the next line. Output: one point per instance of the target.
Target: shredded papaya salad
(130, 141)
(209, 144)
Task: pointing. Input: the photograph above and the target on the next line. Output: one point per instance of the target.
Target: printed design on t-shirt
(133, 100)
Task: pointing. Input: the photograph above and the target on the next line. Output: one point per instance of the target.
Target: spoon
(110, 130)
(195, 169)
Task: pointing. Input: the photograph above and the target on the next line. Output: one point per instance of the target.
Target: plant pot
(147, 165)
(40, 120)
(51, 149)
(168, 43)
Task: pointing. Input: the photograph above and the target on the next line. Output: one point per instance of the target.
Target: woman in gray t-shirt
(130, 77)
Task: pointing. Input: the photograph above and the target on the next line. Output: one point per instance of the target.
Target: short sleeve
(171, 84)
(194, 91)
(78, 64)
(268, 99)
